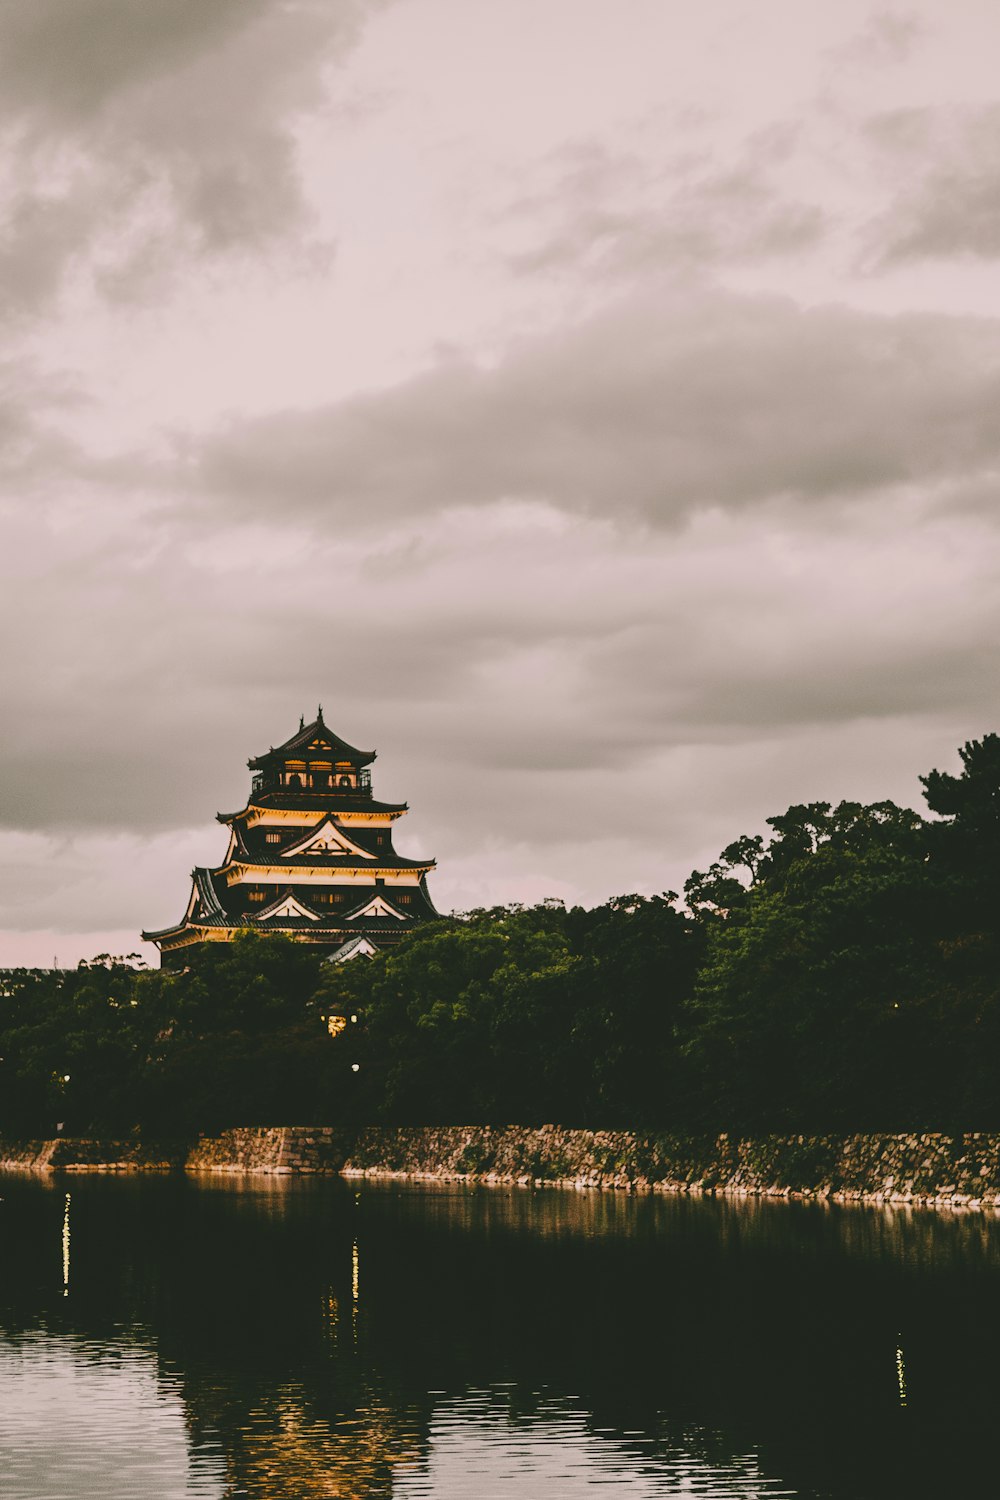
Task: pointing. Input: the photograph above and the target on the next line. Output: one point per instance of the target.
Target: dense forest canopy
(840, 974)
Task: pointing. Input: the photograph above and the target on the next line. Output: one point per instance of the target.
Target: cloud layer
(601, 421)
(660, 404)
(138, 137)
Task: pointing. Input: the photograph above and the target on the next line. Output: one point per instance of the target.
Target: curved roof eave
(291, 801)
(301, 739)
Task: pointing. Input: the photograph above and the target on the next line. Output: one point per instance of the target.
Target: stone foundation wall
(26, 1156)
(274, 1149)
(930, 1168)
(960, 1171)
(73, 1154)
(280, 1148)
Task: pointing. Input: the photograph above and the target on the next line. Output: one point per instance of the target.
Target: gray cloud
(518, 642)
(35, 452)
(948, 164)
(472, 570)
(663, 402)
(571, 704)
(140, 135)
(890, 37)
(69, 62)
(610, 215)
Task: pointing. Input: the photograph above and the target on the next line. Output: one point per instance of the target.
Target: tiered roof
(309, 855)
(316, 737)
(338, 798)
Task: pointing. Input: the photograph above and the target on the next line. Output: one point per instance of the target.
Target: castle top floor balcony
(311, 779)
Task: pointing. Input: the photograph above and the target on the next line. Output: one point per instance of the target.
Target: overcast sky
(596, 406)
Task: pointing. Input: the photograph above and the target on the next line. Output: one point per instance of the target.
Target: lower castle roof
(206, 910)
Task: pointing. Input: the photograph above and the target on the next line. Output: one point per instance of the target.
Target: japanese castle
(310, 856)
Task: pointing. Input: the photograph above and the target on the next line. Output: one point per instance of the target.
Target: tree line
(838, 974)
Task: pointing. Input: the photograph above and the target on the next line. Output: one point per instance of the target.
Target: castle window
(272, 838)
(255, 896)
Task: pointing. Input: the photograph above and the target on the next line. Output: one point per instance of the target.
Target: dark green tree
(530, 1015)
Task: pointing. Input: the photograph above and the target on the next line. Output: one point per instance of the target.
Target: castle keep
(310, 856)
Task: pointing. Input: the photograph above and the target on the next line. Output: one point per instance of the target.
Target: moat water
(285, 1340)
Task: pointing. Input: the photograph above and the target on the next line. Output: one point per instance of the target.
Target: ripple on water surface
(169, 1340)
(92, 1421)
(478, 1449)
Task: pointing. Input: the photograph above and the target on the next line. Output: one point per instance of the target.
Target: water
(286, 1340)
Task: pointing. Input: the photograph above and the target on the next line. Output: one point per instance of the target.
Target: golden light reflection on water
(355, 1270)
(331, 1316)
(355, 1274)
(288, 1450)
(65, 1244)
(901, 1375)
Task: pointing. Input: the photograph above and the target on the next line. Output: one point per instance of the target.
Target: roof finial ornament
(302, 722)
(319, 714)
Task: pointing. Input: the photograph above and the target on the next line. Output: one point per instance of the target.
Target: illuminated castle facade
(310, 856)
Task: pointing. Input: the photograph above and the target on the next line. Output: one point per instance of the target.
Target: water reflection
(65, 1245)
(94, 1420)
(477, 1447)
(308, 1339)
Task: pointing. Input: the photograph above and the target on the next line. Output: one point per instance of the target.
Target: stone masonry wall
(961, 1171)
(275, 1149)
(929, 1168)
(72, 1154)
